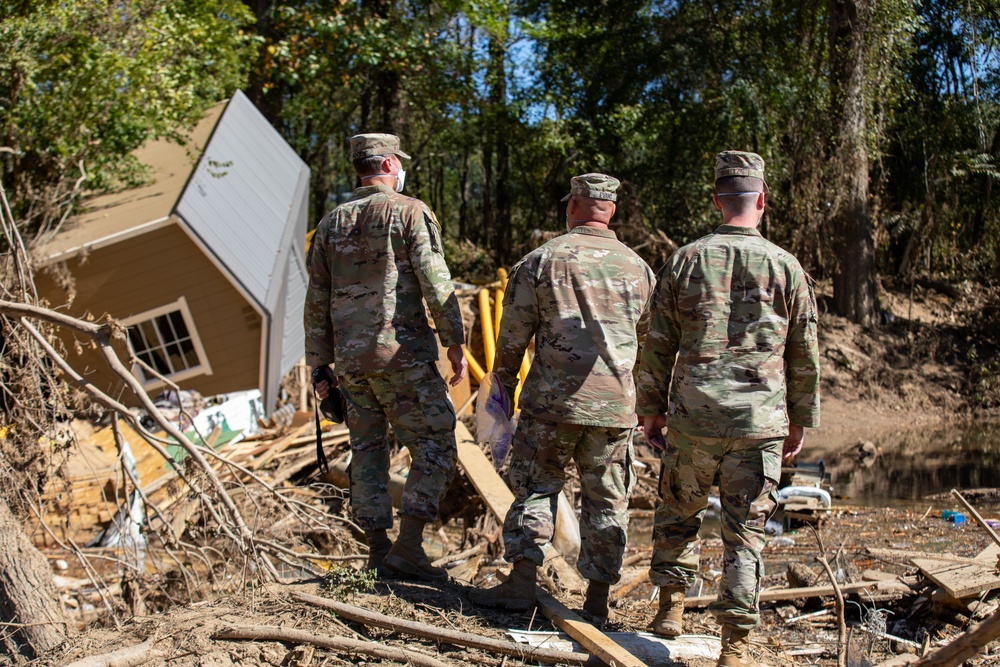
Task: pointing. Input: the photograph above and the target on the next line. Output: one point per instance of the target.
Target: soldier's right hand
(653, 428)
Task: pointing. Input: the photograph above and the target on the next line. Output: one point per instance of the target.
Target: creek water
(902, 469)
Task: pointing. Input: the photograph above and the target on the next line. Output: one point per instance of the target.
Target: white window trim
(203, 367)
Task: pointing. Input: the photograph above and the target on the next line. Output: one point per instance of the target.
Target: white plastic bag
(493, 427)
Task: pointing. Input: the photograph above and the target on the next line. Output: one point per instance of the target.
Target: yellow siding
(153, 270)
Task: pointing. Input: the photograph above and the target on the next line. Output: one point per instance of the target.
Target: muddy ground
(879, 387)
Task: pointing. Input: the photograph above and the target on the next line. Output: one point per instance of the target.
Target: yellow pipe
(497, 311)
(523, 374)
(486, 320)
(474, 368)
(502, 275)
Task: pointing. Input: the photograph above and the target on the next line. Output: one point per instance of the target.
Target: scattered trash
(956, 518)
(794, 492)
(645, 646)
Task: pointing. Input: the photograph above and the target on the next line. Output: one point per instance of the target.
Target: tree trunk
(269, 103)
(854, 291)
(501, 136)
(27, 596)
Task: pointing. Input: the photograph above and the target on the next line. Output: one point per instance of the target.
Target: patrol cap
(739, 163)
(595, 186)
(370, 145)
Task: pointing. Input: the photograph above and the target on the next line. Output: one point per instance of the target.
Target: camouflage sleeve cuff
(450, 337)
(804, 420)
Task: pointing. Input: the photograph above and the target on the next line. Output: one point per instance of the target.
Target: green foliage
(345, 581)
(84, 83)
(501, 102)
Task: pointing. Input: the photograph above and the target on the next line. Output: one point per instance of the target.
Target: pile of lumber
(90, 483)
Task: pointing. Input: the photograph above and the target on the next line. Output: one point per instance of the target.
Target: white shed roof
(246, 202)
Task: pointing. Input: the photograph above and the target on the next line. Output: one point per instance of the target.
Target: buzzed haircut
(740, 204)
(366, 166)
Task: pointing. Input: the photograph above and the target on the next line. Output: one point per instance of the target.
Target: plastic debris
(493, 427)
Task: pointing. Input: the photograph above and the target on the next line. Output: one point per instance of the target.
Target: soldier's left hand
(793, 441)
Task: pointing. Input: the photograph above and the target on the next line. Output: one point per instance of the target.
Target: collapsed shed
(204, 264)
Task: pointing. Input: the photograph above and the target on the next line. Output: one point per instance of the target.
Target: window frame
(202, 368)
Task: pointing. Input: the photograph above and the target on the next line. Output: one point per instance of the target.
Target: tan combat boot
(515, 594)
(595, 605)
(669, 621)
(736, 648)
(407, 557)
(378, 547)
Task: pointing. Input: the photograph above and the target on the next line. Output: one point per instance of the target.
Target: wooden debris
(959, 580)
(626, 589)
(966, 646)
(811, 592)
(453, 637)
(812, 615)
(585, 634)
(342, 644)
(125, 657)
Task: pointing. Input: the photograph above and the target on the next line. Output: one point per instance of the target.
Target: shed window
(166, 340)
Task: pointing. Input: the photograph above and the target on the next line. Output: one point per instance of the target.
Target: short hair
(367, 166)
(739, 204)
(739, 184)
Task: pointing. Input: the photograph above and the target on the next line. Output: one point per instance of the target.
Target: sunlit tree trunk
(28, 600)
(854, 289)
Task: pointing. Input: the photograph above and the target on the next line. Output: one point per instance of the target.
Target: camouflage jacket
(585, 297)
(372, 262)
(732, 339)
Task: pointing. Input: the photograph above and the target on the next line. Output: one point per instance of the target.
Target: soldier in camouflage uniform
(732, 359)
(585, 298)
(373, 261)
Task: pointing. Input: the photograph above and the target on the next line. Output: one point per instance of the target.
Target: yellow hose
(497, 311)
(486, 320)
(523, 374)
(502, 275)
(474, 368)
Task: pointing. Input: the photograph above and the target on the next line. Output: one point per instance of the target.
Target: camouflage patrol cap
(595, 186)
(739, 163)
(370, 145)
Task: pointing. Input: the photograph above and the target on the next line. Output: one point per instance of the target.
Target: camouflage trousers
(749, 470)
(415, 402)
(540, 454)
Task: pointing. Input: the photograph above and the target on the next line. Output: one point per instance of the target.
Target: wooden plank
(902, 556)
(959, 580)
(279, 446)
(499, 498)
(809, 592)
(989, 555)
(590, 638)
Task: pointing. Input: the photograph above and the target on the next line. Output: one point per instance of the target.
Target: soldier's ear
(718, 204)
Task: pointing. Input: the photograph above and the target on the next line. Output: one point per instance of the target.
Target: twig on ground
(839, 595)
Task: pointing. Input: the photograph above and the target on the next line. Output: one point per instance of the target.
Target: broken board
(498, 497)
(590, 638)
(810, 592)
(959, 580)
